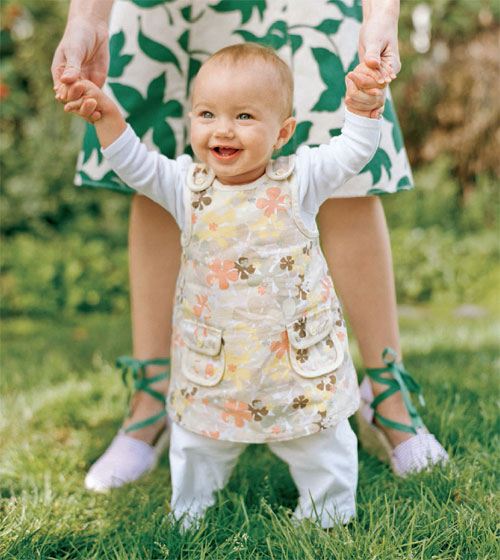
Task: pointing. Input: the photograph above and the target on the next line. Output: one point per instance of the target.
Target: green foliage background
(63, 249)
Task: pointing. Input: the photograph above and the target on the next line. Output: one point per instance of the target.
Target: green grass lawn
(62, 401)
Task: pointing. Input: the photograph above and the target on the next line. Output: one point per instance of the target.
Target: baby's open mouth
(224, 151)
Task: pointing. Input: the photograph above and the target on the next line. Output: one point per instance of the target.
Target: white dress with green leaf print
(157, 47)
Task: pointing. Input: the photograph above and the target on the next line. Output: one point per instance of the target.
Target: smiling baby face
(241, 112)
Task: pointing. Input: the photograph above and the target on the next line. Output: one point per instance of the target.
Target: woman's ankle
(393, 408)
(145, 406)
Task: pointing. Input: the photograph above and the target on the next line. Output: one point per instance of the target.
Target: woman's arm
(83, 52)
(377, 47)
(378, 37)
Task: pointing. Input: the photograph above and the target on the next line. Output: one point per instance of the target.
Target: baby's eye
(244, 117)
(207, 115)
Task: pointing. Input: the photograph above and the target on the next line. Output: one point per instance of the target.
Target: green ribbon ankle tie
(402, 381)
(142, 383)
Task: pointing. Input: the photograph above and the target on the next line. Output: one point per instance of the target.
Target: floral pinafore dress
(260, 346)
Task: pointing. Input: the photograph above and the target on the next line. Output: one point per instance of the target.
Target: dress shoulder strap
(281, 168)
(199, 177)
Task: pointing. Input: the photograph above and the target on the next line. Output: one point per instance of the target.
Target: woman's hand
(378, 37)
(83, 53)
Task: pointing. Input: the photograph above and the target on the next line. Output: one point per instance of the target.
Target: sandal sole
(373, 439)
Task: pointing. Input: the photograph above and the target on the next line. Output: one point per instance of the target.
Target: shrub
(61, 275)
(73, 273)
(432, 265)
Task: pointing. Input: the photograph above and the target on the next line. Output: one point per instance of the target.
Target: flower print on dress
(327, 286)
(287, 263)
(238, 410)
(244, 268)
(213, 435)
(302, 355)
(202, 201)
(300, 326)
(189, 395)
(319, 423)
(275, 202)
(268, 228)
(258, 411)
(302, 293)
(340, 322)
(177, 341)
(281, 347)
(202, 305)
(222, 272)
(300, 402)
(186, 393)
(262, 275)
(329, 385)
(237, 370)
(219, 227)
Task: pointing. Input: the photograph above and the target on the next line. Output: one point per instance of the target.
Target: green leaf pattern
(156, 50)
(245, 7)
(379, 161)
(158, 46)
(150, 3)
(276, 37)
(349, 9)
(91, 143)
(118, 61)
(331, 72)
(390, 115)
(151, 111)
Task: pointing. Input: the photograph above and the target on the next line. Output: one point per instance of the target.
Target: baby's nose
(224, 128)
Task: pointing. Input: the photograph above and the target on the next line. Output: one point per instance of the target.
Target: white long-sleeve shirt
(319, 171)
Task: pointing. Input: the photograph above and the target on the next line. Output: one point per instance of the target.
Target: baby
(260, 350)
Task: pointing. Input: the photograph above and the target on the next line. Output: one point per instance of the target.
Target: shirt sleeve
(322, 170)
(150, 173)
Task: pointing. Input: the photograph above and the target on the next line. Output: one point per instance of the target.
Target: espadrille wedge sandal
(128, 459)
(421, 451)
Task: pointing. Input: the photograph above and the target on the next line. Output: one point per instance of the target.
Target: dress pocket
(314, 346)
(203, 353)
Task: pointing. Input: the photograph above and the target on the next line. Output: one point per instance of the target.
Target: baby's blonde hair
(252, 51)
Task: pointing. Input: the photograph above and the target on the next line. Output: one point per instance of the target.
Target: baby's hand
(81, 98)
(366, 91)
(89, 102)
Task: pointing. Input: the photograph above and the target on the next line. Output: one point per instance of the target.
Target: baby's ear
(286, 132)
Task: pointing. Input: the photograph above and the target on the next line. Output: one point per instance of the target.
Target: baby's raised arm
(148, 172)
(88, 101)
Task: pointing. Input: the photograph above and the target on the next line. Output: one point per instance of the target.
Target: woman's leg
(154, 262)
(357, 248)
(154, 253)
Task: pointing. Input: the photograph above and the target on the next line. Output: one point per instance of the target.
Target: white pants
(324, 467)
